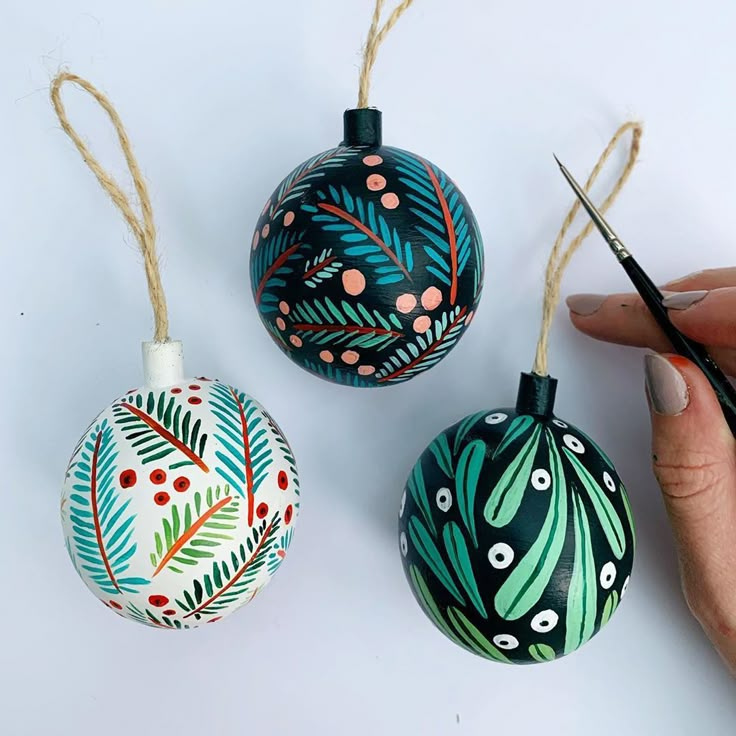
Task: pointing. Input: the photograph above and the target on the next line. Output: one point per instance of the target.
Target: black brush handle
(689, 349)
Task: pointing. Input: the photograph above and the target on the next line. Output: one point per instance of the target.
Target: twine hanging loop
(143, 228)
(559, 259)
(376, 35)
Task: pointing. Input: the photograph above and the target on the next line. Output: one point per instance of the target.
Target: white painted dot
(608, 575)
(625, 586)
(443, 499)
(545, 621)
(541, 479)
(403, 544)
(559, 423)
(505, 641)
(610, 483)
(402, 504)
(496, 418)
(574, 444)
(500, 555)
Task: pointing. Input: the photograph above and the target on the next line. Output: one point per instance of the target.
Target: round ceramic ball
(179, 503)
(366, 262)
(516, 534)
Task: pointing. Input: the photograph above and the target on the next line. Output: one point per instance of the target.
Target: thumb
(695, 464)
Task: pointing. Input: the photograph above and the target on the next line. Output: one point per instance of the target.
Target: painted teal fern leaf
(507, 494)
(323, 322)
(229, 580)
(606, 513)
(582, 594)
(320, 268)
(447, 232)
(428, 603)
(518, 428)
(336, 375)
(426, 350)
(523, 588)
(187, 537)
(148, 618)
(365, 233)
(468, 475)
(426, 547)
(274, 259)
(457, 553)
(102, 526)
(158, 426)
(304, 176)
(245, 453)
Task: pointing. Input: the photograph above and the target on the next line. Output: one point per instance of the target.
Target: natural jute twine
(143, 229)
(376, 35)
(559, 259)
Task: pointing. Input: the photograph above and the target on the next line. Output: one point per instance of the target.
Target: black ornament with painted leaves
(516, 532)
(367, 262)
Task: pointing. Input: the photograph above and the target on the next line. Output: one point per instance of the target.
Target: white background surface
(221, 100)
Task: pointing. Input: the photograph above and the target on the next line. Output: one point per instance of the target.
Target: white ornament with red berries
(180, 498)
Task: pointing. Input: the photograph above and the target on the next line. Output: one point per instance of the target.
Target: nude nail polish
(666, 385)
(585, 304)
(683, 299)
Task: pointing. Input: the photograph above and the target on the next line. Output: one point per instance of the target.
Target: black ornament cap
(362, 127)
(536, 395)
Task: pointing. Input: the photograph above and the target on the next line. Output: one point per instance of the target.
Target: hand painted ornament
(366, 263)
(180, 497)
(515, 530)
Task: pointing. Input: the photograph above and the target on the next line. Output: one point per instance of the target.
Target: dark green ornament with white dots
(516, 533)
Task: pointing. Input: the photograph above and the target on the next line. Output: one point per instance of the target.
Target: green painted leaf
(429, 604)
(525, 585)
(516, 429)
(629, 513)
(506, 496)
(607, 516)
(419, 493)
(582, 594)
(473, 639)
(441, 450)
(466, 484)
(457, 551)
(465, 426)
(542, 652)
(609, 607)
(428, 550)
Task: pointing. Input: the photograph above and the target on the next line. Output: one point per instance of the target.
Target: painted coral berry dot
(194, 400)
(116, 605)
(283, 480)
(158, 476)
(194, 387)
(128, 478)
(176, 390)
(162, 498)
(288, 514)
(262, 510)
(158, 601)
(169, 612)
(181, 484)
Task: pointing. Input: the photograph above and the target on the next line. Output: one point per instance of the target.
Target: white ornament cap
(163, 363)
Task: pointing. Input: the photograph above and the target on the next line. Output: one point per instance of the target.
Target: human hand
(693, 450)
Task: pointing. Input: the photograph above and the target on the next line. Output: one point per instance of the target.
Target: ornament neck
(536, 395)
(163, 363)
(362, 127)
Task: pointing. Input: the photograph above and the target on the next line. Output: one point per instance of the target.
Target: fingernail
(585, 304)
(692, 275)
(666, 385)
(683, 299)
